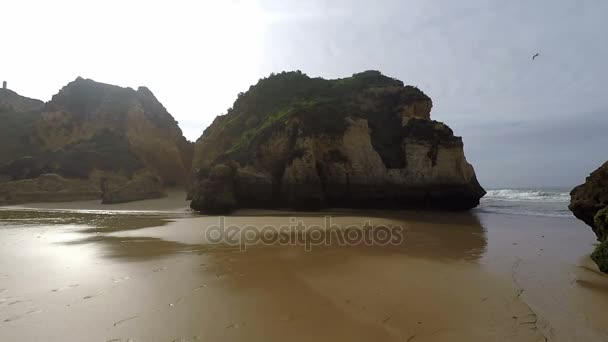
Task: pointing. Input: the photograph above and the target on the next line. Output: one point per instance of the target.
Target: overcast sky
(524, 123)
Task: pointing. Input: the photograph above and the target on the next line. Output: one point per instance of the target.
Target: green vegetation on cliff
(105, 151)
(601, 223)
(319, 106)
(600, 254)
(15, 130)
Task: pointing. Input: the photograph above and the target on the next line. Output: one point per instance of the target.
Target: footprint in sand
(16, 317)
(18, 301)
(236, 325)
(222, 274)
(124, 320)
(93, 295)
(176, 302)
(12, 301)
(200, 288)
(187, 339)
(121, 279)
(65, 288)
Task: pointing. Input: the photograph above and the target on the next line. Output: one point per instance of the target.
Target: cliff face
(105, 135)
(309, 143)
(587, 199)
(589, 203)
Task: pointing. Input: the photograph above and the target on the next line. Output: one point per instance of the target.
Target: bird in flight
(536, 55)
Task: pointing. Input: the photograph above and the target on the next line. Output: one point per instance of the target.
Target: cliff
(11, 101)
(590, 197)
(589, 203)
(110, 138)
(310, 143)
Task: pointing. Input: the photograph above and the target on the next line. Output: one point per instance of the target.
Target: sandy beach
(115, 273)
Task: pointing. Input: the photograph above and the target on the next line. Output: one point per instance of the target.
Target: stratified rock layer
(309, 143)
(98, 133)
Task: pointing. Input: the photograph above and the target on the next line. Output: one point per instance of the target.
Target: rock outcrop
(47, 188)
(589, 203)
(310, 143)
(144, 185)
(91, 132)
(590, 197)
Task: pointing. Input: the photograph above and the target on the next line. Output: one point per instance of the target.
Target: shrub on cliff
(601, 224)
(318, 105)
(15, 133)
(600, 254)
(105, 151)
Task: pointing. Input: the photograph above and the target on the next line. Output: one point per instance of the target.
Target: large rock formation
(589, 203)
(103, 135)
(310, 143)
(590, 197)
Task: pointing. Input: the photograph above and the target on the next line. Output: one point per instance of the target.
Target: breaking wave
(527, 202)
(528, 195)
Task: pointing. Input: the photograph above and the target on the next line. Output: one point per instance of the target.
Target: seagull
(536, 55)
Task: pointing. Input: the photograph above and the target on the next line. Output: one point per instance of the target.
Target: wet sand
(120, 276)
(174, 202)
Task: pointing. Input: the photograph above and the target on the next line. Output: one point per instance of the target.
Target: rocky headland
(91, 141)
(589, 203)
(297, 142)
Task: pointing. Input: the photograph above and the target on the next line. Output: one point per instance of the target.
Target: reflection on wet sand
(457, 236)
(135, 248)
(547, 259)
(76, 276)
(155, 278)
(89, 222)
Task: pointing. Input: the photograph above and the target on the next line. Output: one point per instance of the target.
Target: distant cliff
(310, 143)
(92, 140)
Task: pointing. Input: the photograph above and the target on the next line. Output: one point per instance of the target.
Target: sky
(524, 122)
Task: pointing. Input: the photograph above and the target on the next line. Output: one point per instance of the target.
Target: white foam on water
(528, 195)
(527, 202)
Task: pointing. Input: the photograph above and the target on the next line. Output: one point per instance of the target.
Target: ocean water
(531, 202)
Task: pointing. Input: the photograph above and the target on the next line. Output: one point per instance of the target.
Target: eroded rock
(364, 141)
(587, 199)
(87, 133)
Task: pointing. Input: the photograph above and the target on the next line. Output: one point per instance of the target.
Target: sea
(546, 202)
